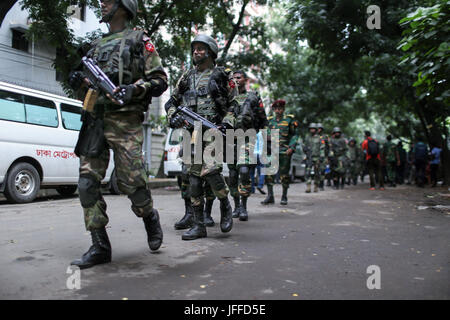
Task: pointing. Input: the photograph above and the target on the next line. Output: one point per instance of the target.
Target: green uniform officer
(288, 136)
(392, 159)
(130, 60)
(356, 161)
(314, 149)
(208, 91)
(339, 156)
(323, 164)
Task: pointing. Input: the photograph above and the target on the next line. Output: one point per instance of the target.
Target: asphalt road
(319, 246)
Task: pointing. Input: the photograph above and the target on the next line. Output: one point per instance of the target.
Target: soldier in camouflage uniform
(356, 161)
(339, 156)
(249, 114)
(288, 128)
(187, 221)
(323, 164)
(314, 148)
(207, 90)
(130, 60)
(392, 159)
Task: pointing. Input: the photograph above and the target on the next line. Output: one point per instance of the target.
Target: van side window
(71, 116)
(41, 111)
(11, 106)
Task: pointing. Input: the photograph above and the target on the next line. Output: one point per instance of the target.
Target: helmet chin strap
(111, 14)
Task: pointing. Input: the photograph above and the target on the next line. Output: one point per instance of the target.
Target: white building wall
(34, 69)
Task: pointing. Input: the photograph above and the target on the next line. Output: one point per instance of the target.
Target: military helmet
(352, 139)
(130, 6)
(312, 125)
(209, 41)
(336, 129)
(319, 125)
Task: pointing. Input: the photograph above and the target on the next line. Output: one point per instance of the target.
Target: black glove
(176, 121)
(75, 79)
(126, 92)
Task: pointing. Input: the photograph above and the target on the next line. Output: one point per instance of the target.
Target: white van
(38, 133)
(172, 161)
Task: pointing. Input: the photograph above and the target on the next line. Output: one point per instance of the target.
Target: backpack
(420, 152)
(372, 148)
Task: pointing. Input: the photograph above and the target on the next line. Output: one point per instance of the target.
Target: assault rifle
(100, 80)
(191, 117)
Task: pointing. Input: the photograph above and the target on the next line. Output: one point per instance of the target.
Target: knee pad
(233, 177)
(141, 197)
(196, 186)
(89, 190)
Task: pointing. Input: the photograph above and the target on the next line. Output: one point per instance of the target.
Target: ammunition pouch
(91, 140)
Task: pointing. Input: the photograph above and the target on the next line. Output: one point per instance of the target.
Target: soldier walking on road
(130, 60)
(392, 160)
(356, 161)
(339, 156)
(249, 115)
(206, 90)
(314, 148)
(323, 164)
(288, 128)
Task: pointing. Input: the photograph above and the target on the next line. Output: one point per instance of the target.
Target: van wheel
(66, 190)
(23, 183)
(113, 187)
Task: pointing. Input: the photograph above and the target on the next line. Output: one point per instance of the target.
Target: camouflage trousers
(310, 175)
(354, 170)
(184, 184)
(391, 169)
(339, 167)
(284, 167)
(124, 135)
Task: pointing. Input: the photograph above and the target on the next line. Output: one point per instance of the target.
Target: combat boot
(355, 181)
(243, 214)
(342, 183)
(209, 222)
(316, 187)
(98, 253)
(308, 188)
(284, 199)
(269, 198)
(237, 207)
(154, 230)
(199, 228)
(188, 219)
(226, 215)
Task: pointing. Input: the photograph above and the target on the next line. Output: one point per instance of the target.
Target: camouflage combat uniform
(288, 136)
(314, 148)
(249, 114)
(339, 162)
(193, 91)
(390, 157)
(139, 64)
(356, 160)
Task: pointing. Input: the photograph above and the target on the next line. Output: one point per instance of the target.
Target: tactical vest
(338, 146)
(197, 97)
(120, 56)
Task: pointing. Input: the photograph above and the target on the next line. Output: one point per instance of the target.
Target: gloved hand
(127, 92)
(176, 121)
(76, 79)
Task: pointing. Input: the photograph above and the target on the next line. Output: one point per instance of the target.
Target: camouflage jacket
(288, 131)
(129, 57)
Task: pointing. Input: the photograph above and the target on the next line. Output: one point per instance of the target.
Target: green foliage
(426, 42)
(170, 25)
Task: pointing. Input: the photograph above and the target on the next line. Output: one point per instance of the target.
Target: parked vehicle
(298, 163)
(38, 133)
